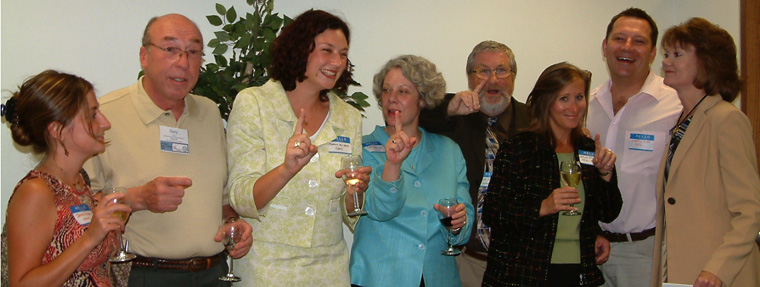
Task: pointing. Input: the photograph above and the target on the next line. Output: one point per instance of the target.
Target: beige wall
(99, 40)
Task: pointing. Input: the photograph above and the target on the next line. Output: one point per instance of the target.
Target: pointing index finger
(480, 87)
(397, 122)
(299, 124)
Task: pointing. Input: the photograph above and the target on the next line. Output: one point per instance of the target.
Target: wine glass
(445, 212)
(350, 164)
(571, 176)
(121, 255)
(232, 234)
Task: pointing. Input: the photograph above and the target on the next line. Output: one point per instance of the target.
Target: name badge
(174, 140)
(486, 179)
(82, 213)
(374, 146)
(586, 157)
(340, 145)
(642, 142)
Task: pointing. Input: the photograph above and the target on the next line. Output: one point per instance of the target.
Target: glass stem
(356, 201)
(229, 263)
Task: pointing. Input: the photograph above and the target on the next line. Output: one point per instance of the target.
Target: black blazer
(525, 173)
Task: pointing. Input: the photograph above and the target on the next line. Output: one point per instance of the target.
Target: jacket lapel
(690, 137)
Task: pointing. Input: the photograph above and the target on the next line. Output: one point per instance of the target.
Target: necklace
(688, 115)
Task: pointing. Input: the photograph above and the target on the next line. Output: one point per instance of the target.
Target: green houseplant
(247, 39)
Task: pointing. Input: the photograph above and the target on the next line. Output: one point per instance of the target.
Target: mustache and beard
(494, 106)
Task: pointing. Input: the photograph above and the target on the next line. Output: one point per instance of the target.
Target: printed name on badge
(174, 140)
(373, 146)
(643, 142)
(81, 213)
(341, 145)
(586, 157)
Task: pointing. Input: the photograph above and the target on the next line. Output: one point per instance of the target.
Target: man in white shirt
(633, 112)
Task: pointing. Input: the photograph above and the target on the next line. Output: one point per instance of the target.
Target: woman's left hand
(604, 158)
(707, 279)
(458, 219)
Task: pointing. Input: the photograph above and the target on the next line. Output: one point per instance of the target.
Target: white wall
(99, 40)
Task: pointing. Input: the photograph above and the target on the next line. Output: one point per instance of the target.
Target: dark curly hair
(290, 50)
(717, 72)
(48, 97)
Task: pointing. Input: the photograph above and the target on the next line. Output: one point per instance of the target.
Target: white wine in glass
(121, 255)
(571, 175)
(350, 164)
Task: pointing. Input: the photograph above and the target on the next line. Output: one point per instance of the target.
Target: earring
(65, 151)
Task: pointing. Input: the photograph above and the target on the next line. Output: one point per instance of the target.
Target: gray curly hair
(421, 72)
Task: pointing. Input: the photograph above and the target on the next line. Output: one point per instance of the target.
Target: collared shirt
(134, 157)
(638, 135)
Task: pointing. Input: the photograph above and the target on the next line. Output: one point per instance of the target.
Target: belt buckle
(197, 264)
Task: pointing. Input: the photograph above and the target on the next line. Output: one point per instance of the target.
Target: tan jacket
(709, 211)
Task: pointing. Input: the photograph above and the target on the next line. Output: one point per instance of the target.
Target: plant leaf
(214, 20)
(220, 9)
(231, 15)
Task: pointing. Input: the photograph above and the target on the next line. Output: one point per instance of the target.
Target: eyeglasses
(176, 53)
(501, 73)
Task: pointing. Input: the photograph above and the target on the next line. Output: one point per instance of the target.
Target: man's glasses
(501, 73)
(176, 53)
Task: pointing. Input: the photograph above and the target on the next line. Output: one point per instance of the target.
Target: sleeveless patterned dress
(94, 269)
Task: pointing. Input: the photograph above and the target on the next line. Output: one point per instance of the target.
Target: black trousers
(564, 275)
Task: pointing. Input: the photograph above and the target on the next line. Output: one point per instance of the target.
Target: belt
(624, 237)
(474, 254)
(191, 264)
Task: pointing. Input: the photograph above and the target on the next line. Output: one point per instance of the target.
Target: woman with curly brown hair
(285, 144)
(56, 235)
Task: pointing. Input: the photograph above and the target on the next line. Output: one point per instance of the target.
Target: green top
(567, 246)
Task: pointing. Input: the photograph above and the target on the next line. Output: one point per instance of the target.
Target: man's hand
(466, 102)
(246, 241)
(161, 194)
(602, 249)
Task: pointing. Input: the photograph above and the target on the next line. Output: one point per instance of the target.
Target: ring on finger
(297, 144)
(393, 141)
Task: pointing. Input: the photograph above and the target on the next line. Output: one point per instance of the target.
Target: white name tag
(642, 142)
(174, 140)
(374, 146)
(81, 213)
(340, 145)
(586, 157)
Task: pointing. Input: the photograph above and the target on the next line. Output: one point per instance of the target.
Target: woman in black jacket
(532, 242)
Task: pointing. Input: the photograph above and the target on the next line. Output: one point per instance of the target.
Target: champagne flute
(121, 255)
(232, 235)
(571, 176)
(351, 163)
(445, 212)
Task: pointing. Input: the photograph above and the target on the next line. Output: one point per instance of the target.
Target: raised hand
(399, 144)
(162, 194)
(299, 149)
(604, 158)
(466, 102)
(559, 200)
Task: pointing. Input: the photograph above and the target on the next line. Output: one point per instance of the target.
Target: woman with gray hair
(398, 243)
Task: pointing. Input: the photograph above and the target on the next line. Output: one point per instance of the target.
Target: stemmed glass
(571, 176)
(351, 163)
(231, 236)
(121, 255)
(445, 212)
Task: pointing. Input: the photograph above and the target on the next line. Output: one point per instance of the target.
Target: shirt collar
(149, 111)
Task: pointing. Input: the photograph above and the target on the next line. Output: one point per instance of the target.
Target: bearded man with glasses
(479, 119)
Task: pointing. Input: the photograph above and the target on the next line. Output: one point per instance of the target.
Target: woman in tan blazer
(708, 191)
